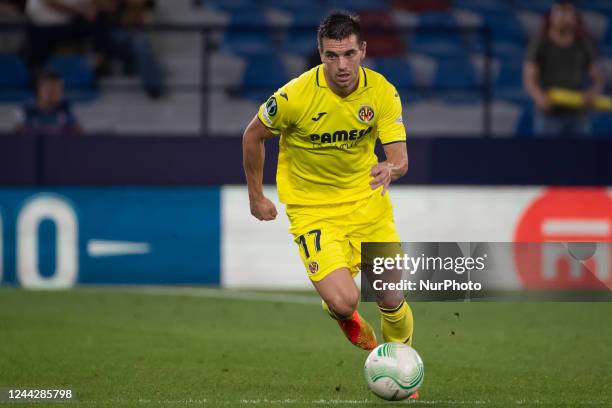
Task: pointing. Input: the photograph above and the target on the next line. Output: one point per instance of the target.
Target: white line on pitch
(208, 293)
(289, 402)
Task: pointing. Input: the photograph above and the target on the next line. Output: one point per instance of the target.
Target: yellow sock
(397, 324)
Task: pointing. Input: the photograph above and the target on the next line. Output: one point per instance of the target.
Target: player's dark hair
(579, 30)
(339, 25)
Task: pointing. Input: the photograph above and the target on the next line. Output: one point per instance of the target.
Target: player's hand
(381, 174)
(543, 102)
(263, 209)
(589, 99)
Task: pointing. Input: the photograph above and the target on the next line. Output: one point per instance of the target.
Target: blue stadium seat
(504, 43)
(510, 74)
(262, 76)
(455, 73)
(295, 6)
(250, 16)
(524, 126)
(602, 124)
(600, 6)
(481, 5)
(605, 51)
(231, 5)
(300, 42)
(537, 6)
(247, 43)
(355, 5)
(520, 99)
(436, 41)
(505, 27)
(437, 18)
(397, 71)
(248, 34)
(410, 98)
(436, 45)
(301, 37)
(438, 34)
(310, 17)
(79, 81)
(14, 79)
(605, 47)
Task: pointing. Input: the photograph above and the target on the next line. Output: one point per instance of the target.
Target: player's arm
(391, 169)
(531, 76)
(253, 156)
(598, 84)
(392, 134)
(594, 71)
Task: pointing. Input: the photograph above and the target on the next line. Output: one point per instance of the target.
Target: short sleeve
(390, 124)
(275, 113)
(533, 50)
(590, 53)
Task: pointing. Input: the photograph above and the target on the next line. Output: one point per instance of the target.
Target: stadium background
(153, 191)
(151, 175)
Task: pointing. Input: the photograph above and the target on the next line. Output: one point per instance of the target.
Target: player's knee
(345, 304)
(391, 302)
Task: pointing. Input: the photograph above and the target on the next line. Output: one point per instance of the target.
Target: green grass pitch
(133, 349)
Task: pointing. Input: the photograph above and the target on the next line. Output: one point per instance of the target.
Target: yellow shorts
(329, 237)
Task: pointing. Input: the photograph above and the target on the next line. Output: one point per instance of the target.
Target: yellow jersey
(326, 146)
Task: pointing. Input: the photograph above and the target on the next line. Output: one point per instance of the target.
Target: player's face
(342, 59)
(563, 16)
(50, 92)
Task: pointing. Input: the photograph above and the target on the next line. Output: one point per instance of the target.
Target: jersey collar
(322, 82)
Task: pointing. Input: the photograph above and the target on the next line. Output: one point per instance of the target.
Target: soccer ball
(394, 371)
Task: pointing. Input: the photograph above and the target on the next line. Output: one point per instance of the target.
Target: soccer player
(328, 176)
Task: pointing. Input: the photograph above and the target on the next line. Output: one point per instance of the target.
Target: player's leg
(324, 248)
(340, 298)
(397, 323)
(396, 318)
(339, 292)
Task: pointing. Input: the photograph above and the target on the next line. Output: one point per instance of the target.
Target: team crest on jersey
(313, 267)
(271, 106)
(366, 114)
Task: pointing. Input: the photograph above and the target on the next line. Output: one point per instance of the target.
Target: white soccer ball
(394, 371)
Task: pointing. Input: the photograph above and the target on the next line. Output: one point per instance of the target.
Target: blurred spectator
(49, 113)
(60, 23)
(12, 7)
(11, 11)
(562, 57)
(132, 46)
